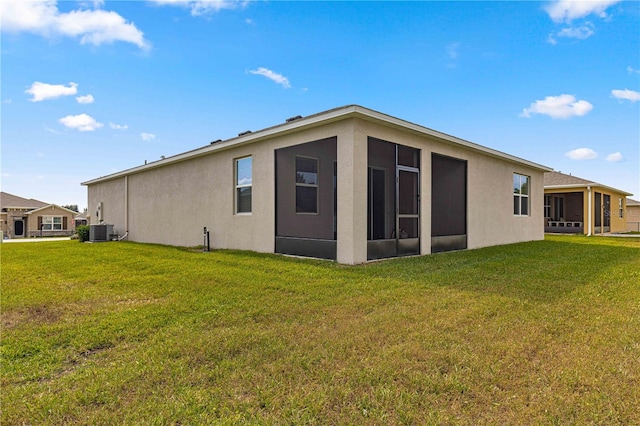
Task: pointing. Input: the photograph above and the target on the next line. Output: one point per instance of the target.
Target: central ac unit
(102, 232)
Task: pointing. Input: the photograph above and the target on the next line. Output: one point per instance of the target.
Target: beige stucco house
(576, 205)
(633, 215)
(22, 217)
(349, 184)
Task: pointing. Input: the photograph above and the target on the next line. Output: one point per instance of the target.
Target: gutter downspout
(589, 208)
(126, 208)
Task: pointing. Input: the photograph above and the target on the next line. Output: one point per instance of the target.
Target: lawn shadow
(535, 271)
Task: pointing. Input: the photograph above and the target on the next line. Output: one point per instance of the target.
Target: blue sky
(90, 88)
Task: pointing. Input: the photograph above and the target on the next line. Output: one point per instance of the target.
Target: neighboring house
(349, 184)
(633, 215)
(23, 217)
(576, 205)
(81, 219)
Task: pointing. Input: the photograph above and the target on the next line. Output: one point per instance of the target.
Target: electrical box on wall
(99, 211)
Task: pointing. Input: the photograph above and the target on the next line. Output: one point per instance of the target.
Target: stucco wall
(112, 195)
(171, 204)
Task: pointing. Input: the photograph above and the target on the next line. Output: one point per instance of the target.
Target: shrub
(83, 233)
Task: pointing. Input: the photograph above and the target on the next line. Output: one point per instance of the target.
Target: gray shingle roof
(557, 178)
(10, 200)
(553, 180)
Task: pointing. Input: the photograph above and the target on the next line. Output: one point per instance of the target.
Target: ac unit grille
(100, 232)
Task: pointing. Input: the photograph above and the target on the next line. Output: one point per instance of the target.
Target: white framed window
(306, 185)
(52, 223)
(520, 195)
(243, 184)
(547, 206)
(620, 208)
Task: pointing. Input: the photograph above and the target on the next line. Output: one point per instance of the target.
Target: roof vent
(290, 119)
(216, 141)
(244, 133)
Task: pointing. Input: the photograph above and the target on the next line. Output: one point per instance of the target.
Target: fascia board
(587, 185)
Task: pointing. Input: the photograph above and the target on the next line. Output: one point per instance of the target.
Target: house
(576, 205)
(633, 215)
(349, 184)
(21, 217)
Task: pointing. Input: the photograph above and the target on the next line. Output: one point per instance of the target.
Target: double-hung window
(244, 182)
(51, 223)
(547, 206)
(520, 195)
(620, 208)
(306, 185)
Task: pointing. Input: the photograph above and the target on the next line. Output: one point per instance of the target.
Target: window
(306, 185)
(51, 223)
(520, 195)
(547, 206)
(559, 208)
(620, 208)
(244, 182)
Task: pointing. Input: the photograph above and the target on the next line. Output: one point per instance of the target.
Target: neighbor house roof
(322, 118)
(48, 206)
(13, 201)
(557, 180)
(631, 202)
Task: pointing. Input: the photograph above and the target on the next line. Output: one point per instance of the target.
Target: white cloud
(581, 32)
(632, 70)
(147, 136)
(615, 157)
(43, 91)
(50, 130)
(81, 122)
(203, 7)
(273, 76)
(562, 106)
(92, 26)
(7, 101)
(629, 95)
(118, 126)
(582, 154)
(87, 99)
(452, 50)
(568, 10)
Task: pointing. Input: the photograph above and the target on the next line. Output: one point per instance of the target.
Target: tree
(73, 207)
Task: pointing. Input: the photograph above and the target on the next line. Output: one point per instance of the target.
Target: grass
(543, 332)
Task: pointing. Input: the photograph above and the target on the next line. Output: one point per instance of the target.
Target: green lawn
(543, 332)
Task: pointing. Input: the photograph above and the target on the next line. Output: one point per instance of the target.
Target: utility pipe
(589, 208)
(126, 208)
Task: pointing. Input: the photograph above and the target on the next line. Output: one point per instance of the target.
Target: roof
(631, 202)
(337, 114)
(13, 201)
(557, 180)
(47, 206)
